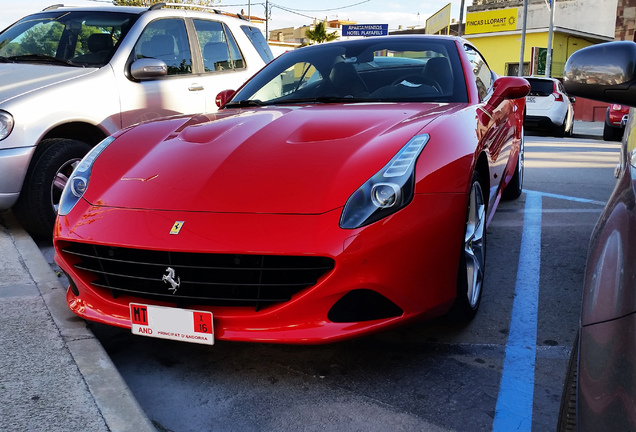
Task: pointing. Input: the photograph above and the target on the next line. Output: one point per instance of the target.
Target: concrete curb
(119, 408)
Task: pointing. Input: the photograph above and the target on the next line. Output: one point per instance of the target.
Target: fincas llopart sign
(491, 21)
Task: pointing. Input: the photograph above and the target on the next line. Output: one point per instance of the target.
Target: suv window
(82, 38)
(167, 40)
(539, 87)
(259, 42)
(219, 49)
(483, 74)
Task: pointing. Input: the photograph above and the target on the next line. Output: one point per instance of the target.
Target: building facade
(625, 20)
(576, 24)
(495, 27)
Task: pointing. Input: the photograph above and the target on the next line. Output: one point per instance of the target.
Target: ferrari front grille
(197, 278)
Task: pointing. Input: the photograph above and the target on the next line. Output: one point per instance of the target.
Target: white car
(548, 107)
(72, 76)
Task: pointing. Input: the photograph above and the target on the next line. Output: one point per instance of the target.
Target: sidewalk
(54, 374)
(588, 129)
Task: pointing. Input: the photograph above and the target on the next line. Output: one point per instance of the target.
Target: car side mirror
(507, 88)
(223, 97)
(148, 68)
(604, 72)
(572, 99)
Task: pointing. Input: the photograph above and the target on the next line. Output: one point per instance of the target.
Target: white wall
(590, 16)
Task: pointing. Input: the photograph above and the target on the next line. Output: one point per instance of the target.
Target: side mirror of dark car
(223, 97)
(604, 72)
(507, 88)
(148, 68)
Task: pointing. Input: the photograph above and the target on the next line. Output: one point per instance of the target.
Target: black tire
(472, 259)
(611, 133)
(50, 168)
(515, 187)
(560, 130)
(567, 411)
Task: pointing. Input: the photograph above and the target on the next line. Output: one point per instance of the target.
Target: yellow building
(495, 28)
(503, 50)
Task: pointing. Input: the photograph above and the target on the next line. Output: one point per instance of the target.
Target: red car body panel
(273, 145)
(273, 180)
(356, 253)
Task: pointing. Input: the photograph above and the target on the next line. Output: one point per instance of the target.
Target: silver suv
(71, 76)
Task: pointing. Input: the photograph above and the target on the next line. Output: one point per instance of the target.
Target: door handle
(195, 87)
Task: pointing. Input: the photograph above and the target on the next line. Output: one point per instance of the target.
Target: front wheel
(472, 261)
(50, 169)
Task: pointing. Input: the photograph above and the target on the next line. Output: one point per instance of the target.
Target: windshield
(372, 70)
(77, 38)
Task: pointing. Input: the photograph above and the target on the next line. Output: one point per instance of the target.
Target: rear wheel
(515, 187)
(611, 133)
(560, 130)
(52, 165)
(472, 259)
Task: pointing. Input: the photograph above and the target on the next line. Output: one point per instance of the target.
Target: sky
(405, 13)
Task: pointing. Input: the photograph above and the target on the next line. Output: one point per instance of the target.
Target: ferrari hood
(293, 160)
(17, 79)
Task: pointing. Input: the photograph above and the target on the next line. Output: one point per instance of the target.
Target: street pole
(523, 37)
(460, 26)
(548, 61)
(266, 19)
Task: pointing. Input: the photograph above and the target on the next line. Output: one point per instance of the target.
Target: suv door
(180, 91)
(223, 62)
(495, 139)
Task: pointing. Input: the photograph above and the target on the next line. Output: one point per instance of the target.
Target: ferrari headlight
(387, 191)
(6, 124)
(78, 182)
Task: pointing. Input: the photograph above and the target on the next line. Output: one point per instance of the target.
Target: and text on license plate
(172, 323)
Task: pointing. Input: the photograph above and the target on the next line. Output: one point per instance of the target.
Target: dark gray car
(600, 388)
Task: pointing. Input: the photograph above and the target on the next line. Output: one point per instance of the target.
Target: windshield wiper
(40, 58)
(246, 103)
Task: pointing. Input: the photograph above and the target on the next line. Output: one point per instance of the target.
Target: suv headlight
(387, 191)
(6, 124)
(78, 182)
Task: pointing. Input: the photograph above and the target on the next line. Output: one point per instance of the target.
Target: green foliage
(319, 34)
(42, 39)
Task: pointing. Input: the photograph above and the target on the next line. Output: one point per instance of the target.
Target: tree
(319, 34)
(148, 3)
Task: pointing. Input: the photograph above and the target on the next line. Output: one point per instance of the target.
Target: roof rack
(193, 6)
(156, 6)
(55, 6)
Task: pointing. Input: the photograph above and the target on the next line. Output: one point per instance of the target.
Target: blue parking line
(516, 388)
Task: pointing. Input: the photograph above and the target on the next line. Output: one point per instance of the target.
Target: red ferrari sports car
(344, 189)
